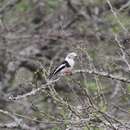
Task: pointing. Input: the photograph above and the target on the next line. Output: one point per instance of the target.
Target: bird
(65, 68)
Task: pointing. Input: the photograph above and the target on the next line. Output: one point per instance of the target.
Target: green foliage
(123, 18)
(56, 128)
(81, 26)
(115, 26)
(52, 4)
(113, 65)
(102, 106)
(92, 128)
(23, 6)
(63, 113)
(18, 13)
(125, 98)
(128, 88)
(92, 53)
(91, 86)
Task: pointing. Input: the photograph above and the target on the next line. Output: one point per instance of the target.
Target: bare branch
(116, 17)
(124, 54)
(103, 74)
(34, 91)
(16, 123)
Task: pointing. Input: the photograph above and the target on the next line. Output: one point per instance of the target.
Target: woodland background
(36, 35)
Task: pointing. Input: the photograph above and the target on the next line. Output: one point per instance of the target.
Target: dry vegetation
(35, 35)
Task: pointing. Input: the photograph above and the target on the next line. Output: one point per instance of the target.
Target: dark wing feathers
(59, 68)
(67, 64)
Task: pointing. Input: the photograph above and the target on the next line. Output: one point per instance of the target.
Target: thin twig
(116, 17)
(33, 92)
(124, 54)
(103, 74)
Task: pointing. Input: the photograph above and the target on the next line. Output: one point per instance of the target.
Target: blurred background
(36, 35)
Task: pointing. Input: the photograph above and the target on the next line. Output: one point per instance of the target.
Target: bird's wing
(59, 68)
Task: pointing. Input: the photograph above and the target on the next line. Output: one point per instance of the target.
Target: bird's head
(71, 55)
